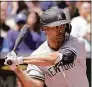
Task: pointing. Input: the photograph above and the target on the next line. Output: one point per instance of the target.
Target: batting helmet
(55, 17)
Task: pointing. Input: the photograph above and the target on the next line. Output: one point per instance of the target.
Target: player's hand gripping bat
(19, 39)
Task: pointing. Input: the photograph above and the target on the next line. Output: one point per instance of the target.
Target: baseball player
(59, 62)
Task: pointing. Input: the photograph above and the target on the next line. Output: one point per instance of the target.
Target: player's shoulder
(77, 45)
(74, 41)
(40, 49)
(77, 39)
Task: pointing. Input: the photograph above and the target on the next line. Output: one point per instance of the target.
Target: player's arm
(66, 56)
(26, 80)
(42, 59)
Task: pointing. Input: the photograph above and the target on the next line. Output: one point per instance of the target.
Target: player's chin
(59, 38)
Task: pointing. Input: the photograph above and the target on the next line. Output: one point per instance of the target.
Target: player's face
(55, 33)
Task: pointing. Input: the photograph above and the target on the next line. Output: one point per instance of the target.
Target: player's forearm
(41, 60)
(25, 80)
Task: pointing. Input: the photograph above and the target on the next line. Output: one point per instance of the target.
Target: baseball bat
(19, 39)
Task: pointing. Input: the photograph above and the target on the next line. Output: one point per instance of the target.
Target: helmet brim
(57, 23)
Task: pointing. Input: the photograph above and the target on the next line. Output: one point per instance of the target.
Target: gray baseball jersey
(73, 75)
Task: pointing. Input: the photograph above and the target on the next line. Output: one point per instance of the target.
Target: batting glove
(13, 58)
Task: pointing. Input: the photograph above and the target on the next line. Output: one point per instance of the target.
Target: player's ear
(44, 28)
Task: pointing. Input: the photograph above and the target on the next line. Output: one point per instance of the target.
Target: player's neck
(54, 45)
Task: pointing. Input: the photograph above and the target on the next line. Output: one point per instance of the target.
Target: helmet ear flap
(68, 28)
(67, 36)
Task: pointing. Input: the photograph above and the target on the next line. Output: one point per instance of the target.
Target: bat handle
(9, 62)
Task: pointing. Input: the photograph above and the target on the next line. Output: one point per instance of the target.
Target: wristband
(20, 59)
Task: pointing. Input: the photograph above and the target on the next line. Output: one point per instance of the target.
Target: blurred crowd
(14, 15)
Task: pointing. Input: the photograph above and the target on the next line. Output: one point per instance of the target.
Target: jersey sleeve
(73, 49)
(66, 56)
(35, 72)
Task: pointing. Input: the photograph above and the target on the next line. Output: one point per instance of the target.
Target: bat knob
(9, 62)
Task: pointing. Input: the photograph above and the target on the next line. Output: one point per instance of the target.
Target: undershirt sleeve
(35, 72)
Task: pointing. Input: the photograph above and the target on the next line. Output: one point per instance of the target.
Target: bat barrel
(19, 39)
(21, 36)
